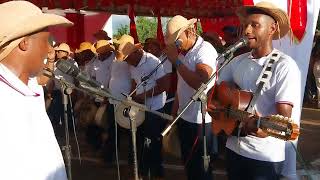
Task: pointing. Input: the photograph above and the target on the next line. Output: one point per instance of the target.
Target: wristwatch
(178, 63)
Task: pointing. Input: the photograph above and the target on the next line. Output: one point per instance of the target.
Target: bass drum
(101, 116)
(87, 113)
(124, 121)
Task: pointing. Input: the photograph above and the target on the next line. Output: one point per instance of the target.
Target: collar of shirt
(143, 59)
(261, 61)
(196, 46)
(10, 79)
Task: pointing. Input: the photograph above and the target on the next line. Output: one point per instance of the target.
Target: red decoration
(77, 4)
(51, 4)
(159, 29)
(92, 4)
(75, 33)
(247, 2)
(298, 18)
(64, 4)
(133, 28)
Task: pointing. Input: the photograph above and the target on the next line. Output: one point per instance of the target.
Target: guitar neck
(276, 126)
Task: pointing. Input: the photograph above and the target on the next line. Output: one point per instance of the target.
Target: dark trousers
(191, 142)
(149, 145)
(56, 109)
(242, 168)
(110, 144)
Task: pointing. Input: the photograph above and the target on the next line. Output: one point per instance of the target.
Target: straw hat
(101, 35)
(176, 26)
(125, 47)
(63, 47)
(20, 18)
(85, 46)
(272, 10)
(103, 46)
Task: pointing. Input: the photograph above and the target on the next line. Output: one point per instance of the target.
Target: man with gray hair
(26, 135)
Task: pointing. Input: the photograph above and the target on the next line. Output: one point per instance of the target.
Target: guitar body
(227, 96)
(227, 108)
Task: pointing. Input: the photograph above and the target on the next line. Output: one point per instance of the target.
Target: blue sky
(118, 20)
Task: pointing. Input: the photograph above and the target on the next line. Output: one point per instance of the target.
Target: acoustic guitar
(227, 106)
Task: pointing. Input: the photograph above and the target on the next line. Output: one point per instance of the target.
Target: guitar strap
(264, 78)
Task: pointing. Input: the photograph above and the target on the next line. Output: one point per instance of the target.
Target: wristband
(178, 63)
(50, 60)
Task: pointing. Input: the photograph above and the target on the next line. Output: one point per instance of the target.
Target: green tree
(146, 27)
(123, 29)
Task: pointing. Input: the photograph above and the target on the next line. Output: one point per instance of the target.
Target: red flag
(159, 29)
(133, 28)
(298, 18)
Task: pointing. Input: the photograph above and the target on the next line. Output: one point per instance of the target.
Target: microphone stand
(128, 112)
(146, 78)
(66, 91)
(199, 95)
(131, 117)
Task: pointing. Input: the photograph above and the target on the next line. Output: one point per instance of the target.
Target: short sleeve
(288, 82)
(207, 55)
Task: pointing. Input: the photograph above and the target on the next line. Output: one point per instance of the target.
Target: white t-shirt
(167, 65)
(147, 63)
(201, 53)
(284, 87)
(101, 70)
(29, 149)
(120, 81)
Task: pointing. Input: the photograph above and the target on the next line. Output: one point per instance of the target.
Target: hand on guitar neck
(227, 107)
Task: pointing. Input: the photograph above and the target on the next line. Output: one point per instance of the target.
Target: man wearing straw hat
(154, 95)
(195, 64)
(257, 156)
(29, 148)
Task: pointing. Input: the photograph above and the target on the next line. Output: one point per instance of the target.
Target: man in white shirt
(195, 64)
(101, 65)
(119, 85)
(154, 95)
(258, 156)
(56, 111)
(31, 147)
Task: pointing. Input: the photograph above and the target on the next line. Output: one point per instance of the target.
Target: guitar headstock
(280, 127)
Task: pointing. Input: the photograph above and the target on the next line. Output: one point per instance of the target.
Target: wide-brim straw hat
(103, 46)
(21, 18)
(63, 47)
(280, 16)
(176, 26)
(125, 46)
(85, 46)
(101, 34)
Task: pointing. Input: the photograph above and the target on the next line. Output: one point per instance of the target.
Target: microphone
(68, 67)
(231, 49)
(178, 43)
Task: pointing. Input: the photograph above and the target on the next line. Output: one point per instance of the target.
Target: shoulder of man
(287, 61)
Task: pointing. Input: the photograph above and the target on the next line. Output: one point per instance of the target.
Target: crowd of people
(120, 66)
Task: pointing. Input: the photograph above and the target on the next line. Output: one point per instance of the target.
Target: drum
(101, 116)
(87, 113)
(124, 121)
